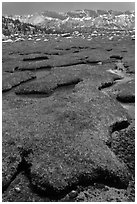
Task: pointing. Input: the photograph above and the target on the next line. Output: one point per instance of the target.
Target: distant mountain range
(49, 21)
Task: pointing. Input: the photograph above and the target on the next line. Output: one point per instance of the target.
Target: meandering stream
(130, 107)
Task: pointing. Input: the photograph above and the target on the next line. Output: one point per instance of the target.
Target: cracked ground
(68, 121)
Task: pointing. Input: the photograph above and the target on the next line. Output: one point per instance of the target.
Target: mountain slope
(49, 21)
(99, 18)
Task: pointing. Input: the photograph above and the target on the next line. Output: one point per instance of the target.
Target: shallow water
(130, 107)
(125, 78)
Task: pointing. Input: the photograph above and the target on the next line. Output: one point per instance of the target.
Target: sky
(21, 8)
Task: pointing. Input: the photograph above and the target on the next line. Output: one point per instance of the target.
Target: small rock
(99, 63)
(38, 39)
(81, 197)
(120, 66)
(17, 189)
(73, 194)
(110, 38)
(9, 40)
(65, 199)
(33, 200)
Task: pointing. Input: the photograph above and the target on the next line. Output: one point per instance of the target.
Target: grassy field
(66, 134)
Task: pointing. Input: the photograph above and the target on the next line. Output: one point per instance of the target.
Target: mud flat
(67, 133)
